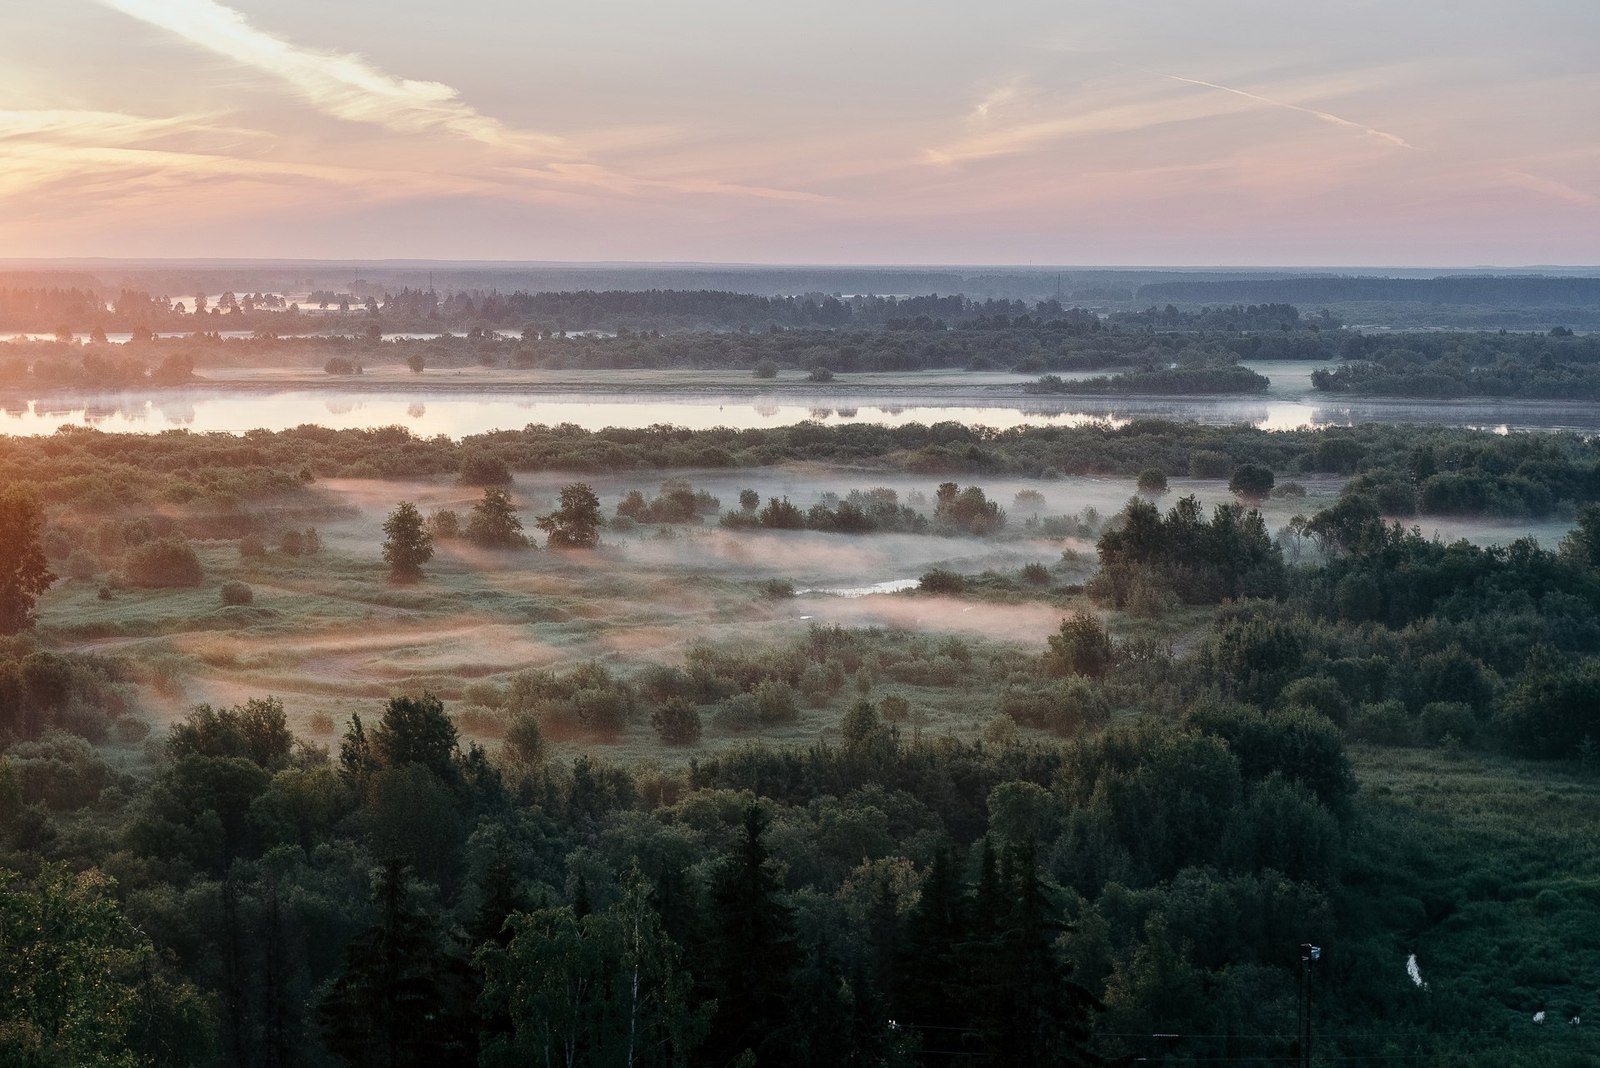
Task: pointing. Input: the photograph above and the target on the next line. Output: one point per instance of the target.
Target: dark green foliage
(164, 562)
(237, 593)
(967, 510)
(1184, 381)
(677, 721)
(257, 731)
(415, 730)
(1082, 646)
(407, 544)
(1251, 482)
(1152, 482)
(483, 469)
(24, 573)
(576, 523)
(402, 997)
(1203, 562)
(752, 955)
(494, 523)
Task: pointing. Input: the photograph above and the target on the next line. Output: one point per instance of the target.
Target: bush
(1036, 574)
(163, 563)
(941, 580)
(484, 469)
(1251, 482)
(1081, 647)
(1153, 483)
(525, 742)
(251, 547)
(777, 589)
(237, 593)
(1207, 463)
(444, 524)
(820, 374)
(677, 722)
(766, 369)
(341, 365)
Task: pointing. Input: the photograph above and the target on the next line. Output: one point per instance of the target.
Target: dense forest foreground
(547, 745)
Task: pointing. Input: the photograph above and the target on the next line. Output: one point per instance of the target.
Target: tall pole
(1309, 955)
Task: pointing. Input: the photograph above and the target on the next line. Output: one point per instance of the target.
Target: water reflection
(457, 413)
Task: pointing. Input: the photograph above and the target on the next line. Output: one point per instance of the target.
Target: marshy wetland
(1254, 664)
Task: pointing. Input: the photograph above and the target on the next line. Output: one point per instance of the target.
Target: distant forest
(1514, 290)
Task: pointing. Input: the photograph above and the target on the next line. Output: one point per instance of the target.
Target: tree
(1152, 483)
(402, 999)
(749, 500)
(677, 721)
(599, 988)
(24, 572)
(65, 994)
(407, 544)
(753, 956)
(1251, 482)
(1081, 647)
(416, 730)
(494, 523)
(163, 563)
(417, 362)
(576, 523)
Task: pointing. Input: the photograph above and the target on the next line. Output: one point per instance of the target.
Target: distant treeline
(1400, 470)
(1165, 381)
(1552, 366)
(1516, 290)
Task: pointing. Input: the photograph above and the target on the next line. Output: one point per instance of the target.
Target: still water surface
(1290, 403)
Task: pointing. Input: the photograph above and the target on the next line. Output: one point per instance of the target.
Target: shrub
(941, 580)
(677, 721)
(251, 547)
(766, 369)
(1081, 647)
(1207, 463)
(341, 365)
(1036, 574)
(820, 374)
(165, 562)
(1029, 498)
(525, 742)
(1152, 483)
(444, 524)
(1250, 482)
(237, 593)
(484, 469)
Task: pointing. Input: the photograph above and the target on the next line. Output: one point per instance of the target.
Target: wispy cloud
(1379, 135)
(1551, 187)
(989, 140)
(999, 99)
(341, 84)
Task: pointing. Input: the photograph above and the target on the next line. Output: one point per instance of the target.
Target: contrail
(1386, 138)
(337, 83)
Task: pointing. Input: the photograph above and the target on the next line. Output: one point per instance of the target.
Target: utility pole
(1309, 955)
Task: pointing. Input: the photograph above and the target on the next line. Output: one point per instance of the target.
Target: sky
(1139, 132)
